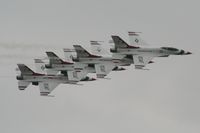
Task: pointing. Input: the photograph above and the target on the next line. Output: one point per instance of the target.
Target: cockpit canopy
(169, 48)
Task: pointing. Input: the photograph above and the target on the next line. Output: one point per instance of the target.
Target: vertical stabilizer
(40, 66)
(22, 85)
(69, 54)
(97, 48)
(120, 43)
(135, 39)
(82, 53)
(25, 70)
(53, 58)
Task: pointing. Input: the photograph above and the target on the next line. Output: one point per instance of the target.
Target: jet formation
(76, 67)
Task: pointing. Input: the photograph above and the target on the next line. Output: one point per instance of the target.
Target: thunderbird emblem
(136, 40)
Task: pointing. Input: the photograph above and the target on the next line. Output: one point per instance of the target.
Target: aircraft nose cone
(188, 53)
(151, 62)
(93, 79)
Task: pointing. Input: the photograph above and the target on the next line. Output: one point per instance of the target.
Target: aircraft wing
(103, 69)
(47, 87)
(141, 61)
(79, 73)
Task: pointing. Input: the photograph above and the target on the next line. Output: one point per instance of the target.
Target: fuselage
(104, 60)
(45, 78)
(61, 67)
(157, 52)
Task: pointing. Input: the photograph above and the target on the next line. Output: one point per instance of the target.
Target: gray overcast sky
(164, 99)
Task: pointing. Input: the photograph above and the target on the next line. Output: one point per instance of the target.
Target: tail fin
(81, 52)
(25, 70)
(120, 43)
(97, 49)
(135, 39)
(53, 58)
(40, 66)
(69, 54)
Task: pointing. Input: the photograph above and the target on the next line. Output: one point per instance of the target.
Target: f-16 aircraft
(142, 56)
(46, 83)
(97, 49)
(75, 69)
(57, 65)
(102, 65)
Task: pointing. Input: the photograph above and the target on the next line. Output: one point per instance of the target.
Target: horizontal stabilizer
(22, 85)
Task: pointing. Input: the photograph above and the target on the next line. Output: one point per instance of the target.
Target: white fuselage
(104, 60)
(47, 78)
(63, 67)
(156, 52)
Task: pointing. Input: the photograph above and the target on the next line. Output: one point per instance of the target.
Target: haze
(162, 100)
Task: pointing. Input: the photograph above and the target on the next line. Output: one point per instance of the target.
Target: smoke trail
(28, 46)
(25, 51)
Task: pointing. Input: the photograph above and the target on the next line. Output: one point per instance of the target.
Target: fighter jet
(70, 54)
(97, 49)
(102, 65)
(141, 55)
(56, 65)
(46, 83)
